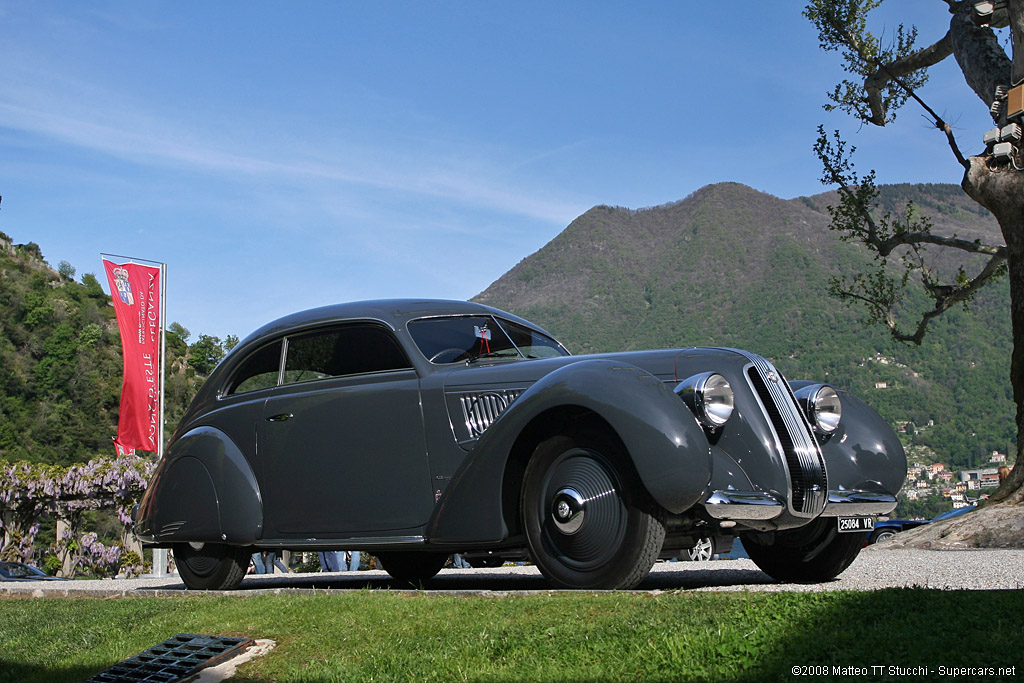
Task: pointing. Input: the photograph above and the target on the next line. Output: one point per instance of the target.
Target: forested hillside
(60, 362)
(730, 266)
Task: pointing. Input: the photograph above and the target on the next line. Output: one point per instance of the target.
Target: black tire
(883, 535)
(703, 551)
(412, 568)
(811, 554)
(485, 562)
(211, 566)
(589, 521)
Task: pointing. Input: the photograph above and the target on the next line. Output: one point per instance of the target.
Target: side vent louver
(480, 410)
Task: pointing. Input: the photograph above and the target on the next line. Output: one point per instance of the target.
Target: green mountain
(731, 266)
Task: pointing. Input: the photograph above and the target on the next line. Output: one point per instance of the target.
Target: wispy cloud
(117, 129)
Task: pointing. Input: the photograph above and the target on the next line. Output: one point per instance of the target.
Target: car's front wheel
(810, 554)
(412, 567)
(589, 522)
(211, 566)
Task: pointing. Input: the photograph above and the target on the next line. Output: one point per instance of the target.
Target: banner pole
(160, 554)
(163, 355)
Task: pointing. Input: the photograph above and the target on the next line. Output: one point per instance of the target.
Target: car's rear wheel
(211, 566)
(880, 536)
(589, 522)
(703, 551)
(811, 554)
(412, 567)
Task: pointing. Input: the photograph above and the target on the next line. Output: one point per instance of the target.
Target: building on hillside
(998, 457)
(990, 480)
(980, 478)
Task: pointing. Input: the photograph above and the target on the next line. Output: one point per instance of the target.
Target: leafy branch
(898, 244)
(887, 76)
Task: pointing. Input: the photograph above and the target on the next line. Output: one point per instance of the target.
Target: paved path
(875, 568)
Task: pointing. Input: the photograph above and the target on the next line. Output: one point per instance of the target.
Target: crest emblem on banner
(124, 287)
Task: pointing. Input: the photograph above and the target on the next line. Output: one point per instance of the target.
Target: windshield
(461, 339)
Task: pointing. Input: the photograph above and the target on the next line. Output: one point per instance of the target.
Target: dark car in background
(417, 429)
(887, 528)
(19, 571)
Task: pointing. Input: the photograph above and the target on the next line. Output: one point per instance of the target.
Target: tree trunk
(976, 50)
(66, 557)
(1000, 189)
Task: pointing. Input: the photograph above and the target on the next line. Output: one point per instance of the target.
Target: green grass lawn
(392, 636)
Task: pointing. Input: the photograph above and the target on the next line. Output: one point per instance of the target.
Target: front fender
(203, 490)
(668, 448)
(864, 454)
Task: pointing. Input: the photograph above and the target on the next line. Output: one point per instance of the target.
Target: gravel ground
(875, 568)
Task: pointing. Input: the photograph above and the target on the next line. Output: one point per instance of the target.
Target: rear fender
(204, 491)
(668, 448)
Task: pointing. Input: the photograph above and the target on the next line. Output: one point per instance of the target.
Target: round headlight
(709, 396)
(823, 407)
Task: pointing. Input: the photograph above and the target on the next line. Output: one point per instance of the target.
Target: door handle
(280, 418)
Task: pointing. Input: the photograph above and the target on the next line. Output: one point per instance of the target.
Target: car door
(341, 440)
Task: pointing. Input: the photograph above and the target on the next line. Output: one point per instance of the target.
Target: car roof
(392, 311)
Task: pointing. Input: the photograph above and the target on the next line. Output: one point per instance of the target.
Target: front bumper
(761, 506)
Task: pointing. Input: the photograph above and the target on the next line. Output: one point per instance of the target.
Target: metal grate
(481, 410)
(173, 659)
(803, 456)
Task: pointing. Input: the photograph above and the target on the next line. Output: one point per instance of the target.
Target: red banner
(135, 290)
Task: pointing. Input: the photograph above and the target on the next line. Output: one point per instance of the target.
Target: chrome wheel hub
(568, 510)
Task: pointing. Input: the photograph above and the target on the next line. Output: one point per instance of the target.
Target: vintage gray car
(417, 429)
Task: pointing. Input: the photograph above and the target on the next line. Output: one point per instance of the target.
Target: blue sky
(281, 156)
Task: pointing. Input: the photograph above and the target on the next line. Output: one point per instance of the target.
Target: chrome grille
(481, 410)
(803, 456)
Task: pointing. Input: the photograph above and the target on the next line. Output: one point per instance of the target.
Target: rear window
(258, 371)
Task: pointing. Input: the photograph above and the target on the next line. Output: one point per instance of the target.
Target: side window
(348, 350)
(258, 371)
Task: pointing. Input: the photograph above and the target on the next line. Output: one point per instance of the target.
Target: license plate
(855, 524)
